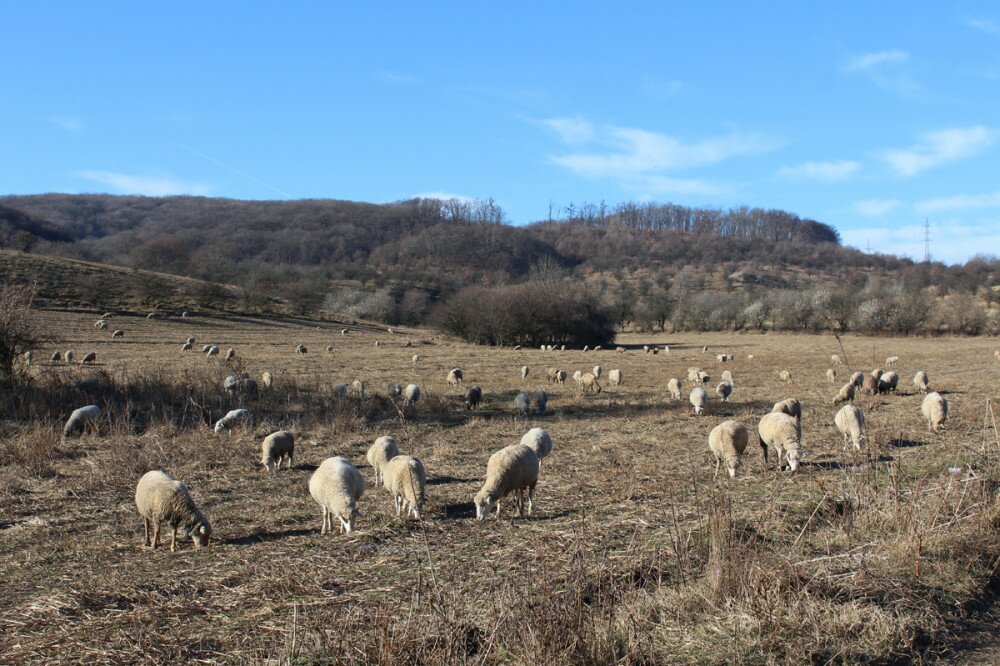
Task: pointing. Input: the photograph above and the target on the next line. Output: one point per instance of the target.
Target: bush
(20, 328)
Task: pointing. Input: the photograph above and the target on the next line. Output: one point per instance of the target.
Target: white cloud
(984, 25)
(154, 186)
(571, 130)
(444, 196)
(68, 123)
(867, 61)
(877, 207)
(823, 171)
(959, 202)
(941, 147)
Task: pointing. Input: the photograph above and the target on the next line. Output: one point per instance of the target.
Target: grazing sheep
(563, 348)
(589, 383)
(522, 402)
(789, 406)
(185, 314)
(586, 348)
(858, 379)
(337, 485)
(101, 325)
(162, 499)
(619, 350)
(851, 424)
(415, 359)
(68, 356)
(831, 375)
(378, 343)
(84, 418)
(212, 351)
(891, 361)
(409, 343)
(674, 386)
(151, 315)
(267, 379)
(405, 479)
(340, 390)
(750, 357)
(118, 333)
(935, 409)
(230, 354)
(190, 340)
(704, 378)
(727, 376)
(666, 349)
(784, 433)
(187, 346)
(727, 442)
(921, 381)
(28, 357)
(870, 385)
(524, 372)
(343, 331)
(615, 377)
(597, 371)
(541, 400)
(107, 315)
(90, 357)
(693, 375)
(835, 360)
(301, 349)
(394, 390)
(380, 453)
(205, 348)
(704, 349)
(243, 385)
(359, 388)
(578, 377)
(846, 394)
(232, 419)
(785, 376)
(517, 347)
(597, 348)
(512, 469)
(473, 397)
(551, 374)
(539, 441)
(698, 399)
(276, 447)
(724, 390)
(721, 358)
(56, 357)
(411, 394)
(455, 377)
(561, 376)
(888, 381)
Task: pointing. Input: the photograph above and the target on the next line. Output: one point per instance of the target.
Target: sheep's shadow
(841, 464)
(904, 443)
(460, 510)
(441, 480)
(263, 536)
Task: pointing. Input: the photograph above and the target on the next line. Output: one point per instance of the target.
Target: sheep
(654, 351)
(724, 390)
(835, 360)
(539, 441)
(151, 315)
(846, 394)
(84, 418)
(358, 387)
(727, 442)
(276, 447)
(56, 357)
(935, 409)
(162, 499)
(28, 357)
(704, 349)
(343, 332)
(727, 376)
(394, 390)
(870, 385)
(378, 343)
(785, 376)
(455, 376)
(68, 356)
(522, 402)
(337, 485)
(340, 390)
(674, 386)
(891, 361)
(190, 340)
(232, 419)
(645, 349)
(561, 376)
(187, 346)
(586, 348)
(789, 406)
(107, 315)
(698, 398)
(615, 377)
(666, 349)
(524, 372)
(230, 354)
(783, 433)
(851, 424)
(563, 348)
(405, 479)
(552, 374)
(517, 347)
(473, 397)
(858, 379)
(921, 381)
(90, 357)
(887, 382)
(380, 453)
(212, 351)
(118, 333)
(721, 358)
(589, 383)
(541, 400)
(267, 379)
(750, 357)
(597, 348)
(578, 377)
(704, 378)
(244, 385)
(831, 375)
(693, 375)
(205, 348)
(409, 343)
(512, 469)
(597, 371)
(185, 314)
(619, 350)
(101, 325)
(301, 349)
(411, 394)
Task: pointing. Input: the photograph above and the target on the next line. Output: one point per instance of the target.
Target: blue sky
(868, 116)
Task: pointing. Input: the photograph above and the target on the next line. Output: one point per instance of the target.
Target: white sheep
(674, 386)
(213, 351)
(551, 374)
(561, 376)
(851, 424)
(512, 469)
(727, 442)
(789, 406)
(935, 409)
(455, 376)
(205, 348)
(831, 375)
(405, 479)
(90, 357)
(724, 390)
(704, 379)
(151, 315)
(858, 379)
(107, 315)
(190, 340)
(586, 348)
(835, 359)
(750, 357)
(615, 377)
(870, 383)
(921, 381)
(727, 376)
(232, 419)
(343, 332)
(187, 346)
(693, 375)
(597, 371)
(337, 485)
(101, 325)
(84, 418)
(301, 349)
(781, 431)
(524, 372)
(891, 361)
(230, 354)
(539, 441)
(578, 377)
(698, 399)
(589, 383)
(380, 453)
(522, 402)
(378, 343)
(411, 394)
(619, 350)
(394, 390)
(358, 387)
(118, 333)
(161, 499)
(888, 382)
(785, 376)
(846, 394)
(267, 379)
(721, 358)
(276, 447)
(415, 359)
(704, 349)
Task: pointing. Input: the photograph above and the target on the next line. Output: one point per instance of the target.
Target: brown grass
(634, 555)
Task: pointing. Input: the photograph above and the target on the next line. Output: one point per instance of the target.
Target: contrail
(236, 171)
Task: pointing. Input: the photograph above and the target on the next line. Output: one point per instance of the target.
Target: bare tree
(20, 328)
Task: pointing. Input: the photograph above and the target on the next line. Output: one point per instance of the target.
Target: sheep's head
(732, 462)
(485, 502)
(201, 533)
(347, 524)
(793, 456)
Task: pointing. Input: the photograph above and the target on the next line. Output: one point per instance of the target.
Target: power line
(927, 241)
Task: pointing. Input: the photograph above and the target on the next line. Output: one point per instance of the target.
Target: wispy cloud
(877, 207)
(571, 130)
(444, 196)
(663, 89)
(68, 123)
(868, 61)
(154, 186)
(394, 77)
(962, 241)
(959, 202)
(984, 25)
(887, 70)
(940, 147)
(822, 171)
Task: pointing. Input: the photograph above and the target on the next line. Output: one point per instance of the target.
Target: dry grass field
(634, 554)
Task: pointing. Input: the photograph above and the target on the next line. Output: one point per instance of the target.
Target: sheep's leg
(763, 447)
(289, 461)
(145, 526)
(399, 505)
(498, 510)
(173, 539)
(156, 535)
(718, 463)
(531, 494)
(781, 457)
(323, 529)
